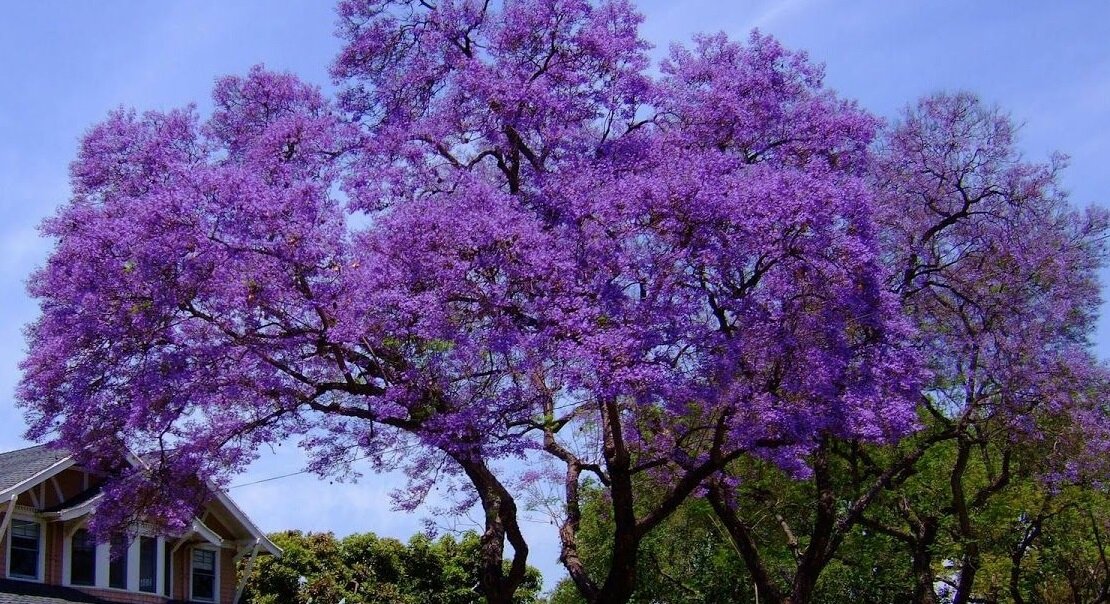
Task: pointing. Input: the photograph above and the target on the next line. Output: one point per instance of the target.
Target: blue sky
(64, 65)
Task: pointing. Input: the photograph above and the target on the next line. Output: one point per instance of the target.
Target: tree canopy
(508, 253)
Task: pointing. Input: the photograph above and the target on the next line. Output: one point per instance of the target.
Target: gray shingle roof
(25, 592)
(26, 599)
(17, 466)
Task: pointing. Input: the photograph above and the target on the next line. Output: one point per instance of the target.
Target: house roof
(23, 464)
(26, 592)
(24, 468)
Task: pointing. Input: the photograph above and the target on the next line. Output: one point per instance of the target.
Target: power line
(298, 473)
(280, 476)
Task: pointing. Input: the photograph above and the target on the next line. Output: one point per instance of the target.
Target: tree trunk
(741, 537)
(817, 553)
(970, 562)
(924, 591)
(500, 524)
(620, 583)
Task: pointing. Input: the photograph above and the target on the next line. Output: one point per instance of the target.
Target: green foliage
(868, 568)
(688, 560)
(691, 559)
(318, 568)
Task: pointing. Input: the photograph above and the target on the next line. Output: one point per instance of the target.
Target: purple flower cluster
(505, 239)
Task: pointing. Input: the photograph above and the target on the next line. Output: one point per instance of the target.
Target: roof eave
(26, 484)
(242, 518)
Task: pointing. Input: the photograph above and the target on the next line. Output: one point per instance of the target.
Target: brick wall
(179, 587)
(55, 537)
(181, 573)
(53, 541)
(228, 577)
(124, 597)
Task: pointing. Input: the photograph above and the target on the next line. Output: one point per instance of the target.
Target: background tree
(1015, 412)
(687, 559)
(1000, 276)
(364, 568)
(1037, 544)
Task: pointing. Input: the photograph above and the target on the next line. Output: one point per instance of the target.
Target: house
(49, 556)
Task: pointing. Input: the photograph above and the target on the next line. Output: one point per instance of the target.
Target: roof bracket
(8, 514)
(247, 571)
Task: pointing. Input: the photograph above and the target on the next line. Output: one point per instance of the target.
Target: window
(148, 564)
(82, 558)
(204, 574)
(117, 568)
(167, 563)
(23, 557)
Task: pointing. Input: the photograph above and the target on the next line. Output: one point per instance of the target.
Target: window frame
(167, 568)
(124, 560)
(104, 563)
(41, 563)
(215, 551)
(67, 562)
(154, 543)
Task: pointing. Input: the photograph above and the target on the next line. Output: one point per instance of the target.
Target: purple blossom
(505, 241)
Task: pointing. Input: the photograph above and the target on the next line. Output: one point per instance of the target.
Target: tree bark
(621, 581)
(1018, 556)
(924, 581)
(970, 561)
(741, 536)
(816, 554)
(500, 524)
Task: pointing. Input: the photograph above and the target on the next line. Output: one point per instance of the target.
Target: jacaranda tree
(505, 254)
(1000, 277)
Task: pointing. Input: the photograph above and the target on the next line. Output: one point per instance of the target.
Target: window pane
(117, 568)
(167, 560)
(148, 564)
(82, 559)
(204, 574)
(204, 559)
(25, 529)
(204, 586)
(24, 551)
